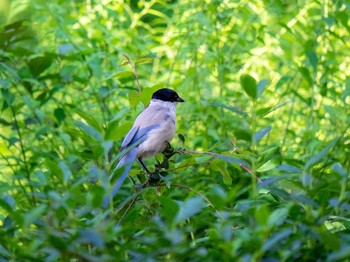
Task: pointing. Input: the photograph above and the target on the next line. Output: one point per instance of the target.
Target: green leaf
(306, 74)
(116, 131)
(90, 236)
(65, 48)
(169, 209)
(94, 62)
(143, 60)
(278, 216)
(92, 121)
(231, 159)
(14, 27)
(59, 114)
(337, 167)
(39, 64)
(269, 159)
(242, 134)
(277, 238)
(181, 137)
(189, 208)
(269, 154)
(267, 110)
(89, 130)
(264, 111)
(261, 133)
(249, 85)
(231, 108)
(261, 215)
(65, 171)
(6, 206)
(305, 200)
(124, 63)
(146, 95)
(261, 86)
(225, 175)
(9, 98)
(134, 98)
(312, 56)
(4, 252)
(122, 75)
(317, 158)
(33, 214)
(270, 164)
(280, 193)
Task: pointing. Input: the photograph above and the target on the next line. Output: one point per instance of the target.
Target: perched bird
(153, 129)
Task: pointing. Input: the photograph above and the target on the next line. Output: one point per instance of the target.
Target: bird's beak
(179, 99)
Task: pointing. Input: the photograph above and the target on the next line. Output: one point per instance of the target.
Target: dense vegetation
(261, 170)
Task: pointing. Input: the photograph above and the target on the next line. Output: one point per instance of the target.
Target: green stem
(253, 170)
(26, 169)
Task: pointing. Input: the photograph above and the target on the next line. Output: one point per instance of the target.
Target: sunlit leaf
(124, 74)
(249, 86)
(134, 98)
(270, 164)
(260, 87)
(144, 60)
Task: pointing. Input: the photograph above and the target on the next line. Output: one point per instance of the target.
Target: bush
(261, 163)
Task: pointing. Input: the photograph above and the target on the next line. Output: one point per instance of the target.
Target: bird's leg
(144, 166)
(151, 177)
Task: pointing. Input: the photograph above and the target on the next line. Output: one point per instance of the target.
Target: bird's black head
(166, 94)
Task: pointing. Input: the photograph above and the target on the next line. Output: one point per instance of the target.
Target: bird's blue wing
(129, 136)
(135, 135)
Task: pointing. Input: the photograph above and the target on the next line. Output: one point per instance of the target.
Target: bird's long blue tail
(125, 162)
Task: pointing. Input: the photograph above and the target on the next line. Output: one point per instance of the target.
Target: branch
(135, 72)
(215, 155)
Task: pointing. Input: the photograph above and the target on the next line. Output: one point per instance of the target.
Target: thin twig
(126, 211)
(216, 154)
(135, 72)
(183, 166)
(250, 172)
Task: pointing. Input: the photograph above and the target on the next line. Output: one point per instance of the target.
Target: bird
(152, 131)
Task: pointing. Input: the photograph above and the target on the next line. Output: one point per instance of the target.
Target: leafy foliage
(260, 167)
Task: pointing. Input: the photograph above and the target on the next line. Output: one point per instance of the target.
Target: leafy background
(267, 92)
